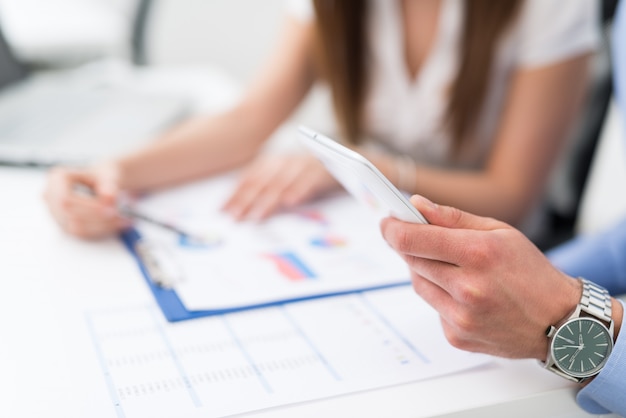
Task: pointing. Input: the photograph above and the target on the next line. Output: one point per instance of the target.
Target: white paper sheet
(332, 245)
(241, 362)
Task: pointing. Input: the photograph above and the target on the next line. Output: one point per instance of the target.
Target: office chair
(139, 32)
(565, 191)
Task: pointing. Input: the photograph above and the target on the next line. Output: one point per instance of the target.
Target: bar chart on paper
(329, 246)
(241, 362)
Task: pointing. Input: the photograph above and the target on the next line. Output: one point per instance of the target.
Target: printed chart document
(331, 246)
(230, 364)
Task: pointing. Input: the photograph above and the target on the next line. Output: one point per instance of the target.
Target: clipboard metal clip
(160, 264)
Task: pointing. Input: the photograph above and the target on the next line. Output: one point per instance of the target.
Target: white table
(49, 368)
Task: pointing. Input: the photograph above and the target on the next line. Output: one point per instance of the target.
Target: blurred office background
(235, 36)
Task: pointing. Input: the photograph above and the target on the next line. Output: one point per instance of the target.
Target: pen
(133, 214)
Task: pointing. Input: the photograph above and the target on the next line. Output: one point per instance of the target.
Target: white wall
(236, 35)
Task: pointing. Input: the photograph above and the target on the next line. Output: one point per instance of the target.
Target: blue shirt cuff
(607, 392)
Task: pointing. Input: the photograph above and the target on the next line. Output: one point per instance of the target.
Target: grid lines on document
(236, 363)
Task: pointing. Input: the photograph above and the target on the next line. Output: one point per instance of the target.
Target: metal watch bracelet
(596, 301)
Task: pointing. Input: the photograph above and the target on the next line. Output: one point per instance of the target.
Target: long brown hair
(342, 53)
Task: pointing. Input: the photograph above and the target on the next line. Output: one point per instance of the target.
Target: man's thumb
(450, 217)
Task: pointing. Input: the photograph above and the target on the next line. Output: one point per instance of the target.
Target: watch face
(581, 347)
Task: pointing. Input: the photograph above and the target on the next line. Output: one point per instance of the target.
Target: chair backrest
(603, 202)
(568, 182)
(139, 32)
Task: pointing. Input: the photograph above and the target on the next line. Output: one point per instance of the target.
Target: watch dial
(581, 346)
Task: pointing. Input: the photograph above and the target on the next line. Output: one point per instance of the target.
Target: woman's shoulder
(557, 11)
(552, 30)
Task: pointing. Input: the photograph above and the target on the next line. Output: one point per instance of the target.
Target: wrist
(617, 315)
(407, 173)
(113, 172)
(401, 170)
(561, 309)
(382, 161)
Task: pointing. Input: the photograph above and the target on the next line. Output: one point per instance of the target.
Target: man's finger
(432, 294)
(427, 241)
(450, 217)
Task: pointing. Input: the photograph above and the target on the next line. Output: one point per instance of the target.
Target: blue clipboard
(174, 309)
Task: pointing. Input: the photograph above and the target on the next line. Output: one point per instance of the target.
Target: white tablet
(360, 177)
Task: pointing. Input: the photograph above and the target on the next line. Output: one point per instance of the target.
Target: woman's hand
(274, 182)
(496, 293)
(84, 202)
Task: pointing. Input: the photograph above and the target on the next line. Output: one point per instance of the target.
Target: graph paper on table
(231, 364)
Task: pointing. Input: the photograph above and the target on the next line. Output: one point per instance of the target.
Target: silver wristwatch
(580, 346)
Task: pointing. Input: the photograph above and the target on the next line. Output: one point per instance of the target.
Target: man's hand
(495, 291)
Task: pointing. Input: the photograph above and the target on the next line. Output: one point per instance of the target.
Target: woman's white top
(406, 115)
